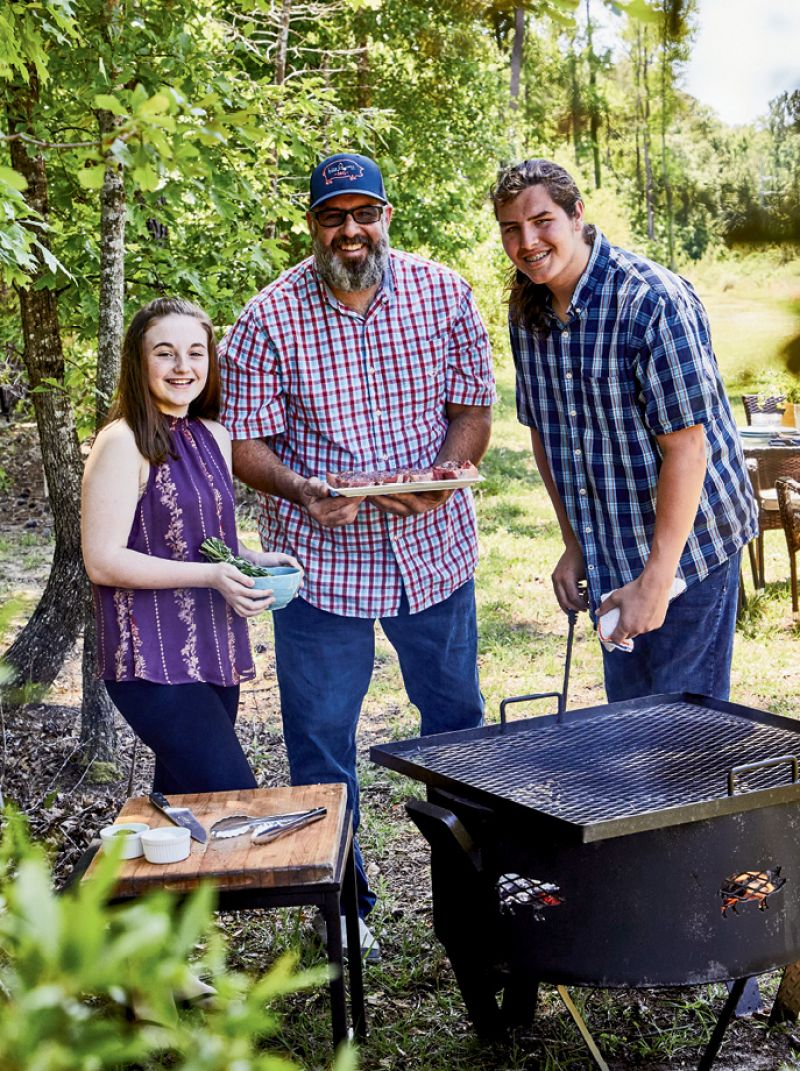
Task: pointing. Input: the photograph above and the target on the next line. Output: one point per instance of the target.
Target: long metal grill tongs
(265, 828)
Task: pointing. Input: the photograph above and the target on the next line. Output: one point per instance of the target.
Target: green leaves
(71, 967)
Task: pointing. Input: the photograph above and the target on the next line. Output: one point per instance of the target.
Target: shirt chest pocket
(412, 377)
(605, 379)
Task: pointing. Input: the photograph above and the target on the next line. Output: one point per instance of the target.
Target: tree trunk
(282, 48)
(112, 276)
(98, 733)
(594, 104)
(648, 166)
(516, 55)
(575, 103)
(664, 162)
(37, 654)
(281, 53)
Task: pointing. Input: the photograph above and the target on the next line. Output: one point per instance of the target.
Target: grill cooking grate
(616, 765)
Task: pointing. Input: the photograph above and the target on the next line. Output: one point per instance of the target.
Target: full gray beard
(350, 277)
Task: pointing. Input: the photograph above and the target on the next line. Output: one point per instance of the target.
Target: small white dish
(130, 833)
(167, 844)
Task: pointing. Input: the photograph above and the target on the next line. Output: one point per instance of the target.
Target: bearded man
(362, 358)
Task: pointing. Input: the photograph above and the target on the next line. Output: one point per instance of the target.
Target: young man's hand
(568, 577)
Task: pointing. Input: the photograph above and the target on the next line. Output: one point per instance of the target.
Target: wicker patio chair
(788, 491)
(754, 403)
(768, 518)
(764, 470)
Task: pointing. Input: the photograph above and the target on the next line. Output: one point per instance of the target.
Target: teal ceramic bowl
(283, 583)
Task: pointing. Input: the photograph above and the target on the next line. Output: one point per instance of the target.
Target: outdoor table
(313, 865)
(773, 461)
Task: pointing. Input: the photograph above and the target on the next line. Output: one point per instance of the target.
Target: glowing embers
(750, 887)
(515, 892)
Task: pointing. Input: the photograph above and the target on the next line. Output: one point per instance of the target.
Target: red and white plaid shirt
(330, 390)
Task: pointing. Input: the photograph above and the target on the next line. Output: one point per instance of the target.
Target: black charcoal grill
(639, 844)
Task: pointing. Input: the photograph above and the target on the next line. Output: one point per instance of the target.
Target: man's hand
(407, 504)
(567, 579)
(331, 511)
(642, 606)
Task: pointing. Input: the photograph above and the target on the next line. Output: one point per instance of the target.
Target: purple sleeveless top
(177, 635)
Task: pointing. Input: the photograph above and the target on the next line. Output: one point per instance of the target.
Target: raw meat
(446, 470)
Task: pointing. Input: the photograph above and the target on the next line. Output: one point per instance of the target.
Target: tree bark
(281, 56)
(98, 738)
(648, 166)
(516, 55)
(594, 109)
(575, 103)
(112, 276)
(37, 654)
(665, 41)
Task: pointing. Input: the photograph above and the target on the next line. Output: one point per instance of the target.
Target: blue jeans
(190, 729)
(324, 664)
(692, 650)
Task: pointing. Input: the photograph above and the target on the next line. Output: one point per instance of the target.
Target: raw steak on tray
(445, 470)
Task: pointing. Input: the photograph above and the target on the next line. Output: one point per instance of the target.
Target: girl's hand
(268, 560)
(238, 590)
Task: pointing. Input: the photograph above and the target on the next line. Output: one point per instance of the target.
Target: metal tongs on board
(266, 828)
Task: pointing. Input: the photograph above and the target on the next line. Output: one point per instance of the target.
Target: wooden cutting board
(308, 855)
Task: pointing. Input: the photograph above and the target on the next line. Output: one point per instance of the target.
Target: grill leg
(479, 998)
(579, 1021)
(711, 1050)
(520, 997)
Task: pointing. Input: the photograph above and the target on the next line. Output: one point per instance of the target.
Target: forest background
(163, 146)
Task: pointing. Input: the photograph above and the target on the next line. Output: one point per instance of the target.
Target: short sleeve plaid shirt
(633, 361)
(331, 390)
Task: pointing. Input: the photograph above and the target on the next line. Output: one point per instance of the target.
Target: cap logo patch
(342, 170)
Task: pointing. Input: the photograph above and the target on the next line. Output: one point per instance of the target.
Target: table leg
(333, 926)
(354, 961)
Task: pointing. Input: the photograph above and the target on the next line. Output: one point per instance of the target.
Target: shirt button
(572, 412)
(568, 375)
(578, 452)
(591, 568)
(582, 491)
(565, 336)
(371, 370)
(588, 528)
(378, 412)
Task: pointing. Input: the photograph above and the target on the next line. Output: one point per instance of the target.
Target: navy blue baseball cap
(346, 172)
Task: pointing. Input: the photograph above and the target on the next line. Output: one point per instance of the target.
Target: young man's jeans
(325, 662)
(692, 650)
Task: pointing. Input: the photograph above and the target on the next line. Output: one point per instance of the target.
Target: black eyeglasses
(335, 217)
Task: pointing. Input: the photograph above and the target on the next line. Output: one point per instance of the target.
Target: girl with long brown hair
(172, 635)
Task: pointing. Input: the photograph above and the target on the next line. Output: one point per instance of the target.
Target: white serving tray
(406, 488)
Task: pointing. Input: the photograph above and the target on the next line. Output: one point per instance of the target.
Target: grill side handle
(559, 696)
(764, 764)
(444, 831)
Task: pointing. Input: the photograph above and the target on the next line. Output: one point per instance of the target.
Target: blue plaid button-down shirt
(633, 361)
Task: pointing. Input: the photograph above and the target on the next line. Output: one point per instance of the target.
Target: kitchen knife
(181, 816)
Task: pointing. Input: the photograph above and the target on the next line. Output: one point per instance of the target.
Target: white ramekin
(167, 844)
(132, 844)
